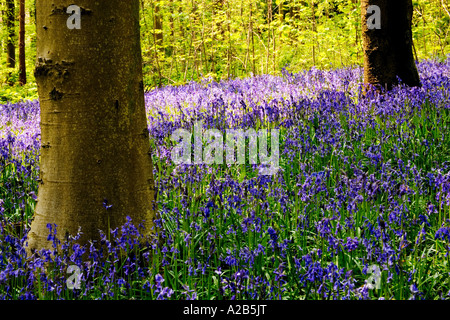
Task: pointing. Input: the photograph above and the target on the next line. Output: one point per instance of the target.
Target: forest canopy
(219, 39)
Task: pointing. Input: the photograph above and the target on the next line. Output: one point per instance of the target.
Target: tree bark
(94, 133)
(388, 51)
(157, 38)
(22, 65)
(10, 47)
(158, 27)
(314, 31)
(172, 29)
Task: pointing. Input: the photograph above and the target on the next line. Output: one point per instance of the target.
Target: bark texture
(22, 65)
(10, 47)
(94, 137)
(388, 51)
(158, 27)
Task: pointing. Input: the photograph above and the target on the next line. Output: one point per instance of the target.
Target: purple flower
(351, 244)
(105, 204)
(273, 234)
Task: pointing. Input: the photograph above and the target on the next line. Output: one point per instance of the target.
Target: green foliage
(184, 40)
(17, 93)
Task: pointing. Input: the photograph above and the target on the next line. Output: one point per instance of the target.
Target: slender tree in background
(388, 50)
(182, 43)
(270, 34)
(95, 165)
(22, 65)
(252, 38)
(158, 37)
(314, 31)
(158, 27)
(10, 47)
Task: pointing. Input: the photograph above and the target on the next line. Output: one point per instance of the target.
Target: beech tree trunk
(22, 66)
(388, 51)
(10, 47)
(94, 134)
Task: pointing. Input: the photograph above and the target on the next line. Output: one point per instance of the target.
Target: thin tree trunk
(247, 53)
(357, 33)
(388, 51)
(172, 29)
(280, 14)
(157, 39)
(193, 41)
(424, 38)
(186, 54)
(158, 27)
(217, 28)
(94, 133)
(229, 40)
(314, 30)
(444, 6)
(269, 22)
(204, 56)
(274, 44)
(22, 66)
(10, 47)
(253, 39)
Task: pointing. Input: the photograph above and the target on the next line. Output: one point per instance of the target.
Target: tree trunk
(388, 51)
(22, 67)
(10, 47)
(314, 30)
(229, 62)
(157, 38)
(158, 27)
(269, 33)
(172, 28)
(253, 40)
(94, 133)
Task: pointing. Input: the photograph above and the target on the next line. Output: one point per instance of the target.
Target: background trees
(228, 38)
(10, 34)
(17, 40)
(191, 39)
(22, 63)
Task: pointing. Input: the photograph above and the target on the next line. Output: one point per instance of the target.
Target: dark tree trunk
(158, 27)
(388, 51)
(10, 26)
(22, 68)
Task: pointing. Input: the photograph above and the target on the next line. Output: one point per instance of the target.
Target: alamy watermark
(374, 281)
(374, 20)
(74, 21)
(74, 281)
(235, 140)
